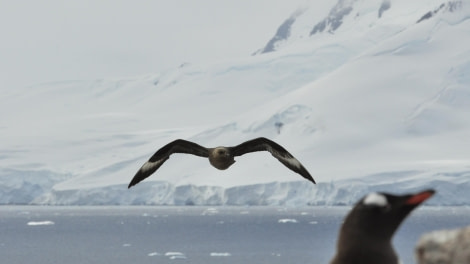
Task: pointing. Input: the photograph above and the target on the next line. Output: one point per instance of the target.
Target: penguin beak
(420, 197)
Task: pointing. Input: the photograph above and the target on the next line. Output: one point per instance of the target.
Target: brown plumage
(219, 157)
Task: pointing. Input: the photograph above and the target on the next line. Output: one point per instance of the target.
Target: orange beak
(420, 197)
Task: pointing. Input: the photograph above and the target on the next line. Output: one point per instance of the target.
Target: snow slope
(372, 96)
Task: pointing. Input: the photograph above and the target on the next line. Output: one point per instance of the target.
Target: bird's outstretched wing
(177, 146)
(280, 153)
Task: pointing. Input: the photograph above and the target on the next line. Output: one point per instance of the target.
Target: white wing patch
(293, 161)
(149, 166)
(375, 199)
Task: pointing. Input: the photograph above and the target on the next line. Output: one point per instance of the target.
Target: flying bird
(220, 157)
(366, 234)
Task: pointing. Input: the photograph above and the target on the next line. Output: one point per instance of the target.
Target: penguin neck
(354, 227)
(359, 243)
(353, 235)
(357, 248)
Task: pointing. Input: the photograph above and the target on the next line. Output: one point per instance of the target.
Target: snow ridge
(375, 102)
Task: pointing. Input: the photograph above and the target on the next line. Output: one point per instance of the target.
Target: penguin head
(366, 234)
(380, 214)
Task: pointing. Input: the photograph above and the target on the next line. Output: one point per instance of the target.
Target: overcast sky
(55, 40)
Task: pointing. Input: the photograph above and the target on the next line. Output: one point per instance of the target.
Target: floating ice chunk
(287, 220)
(32, 223)
(171, 253)
(153, 254)
(178, 257)
(313, 222)
(210, 211)
(126, 245)
(175, 255)
(220, 254)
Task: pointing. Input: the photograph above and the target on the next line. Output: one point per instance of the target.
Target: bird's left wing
(280, 153)
(157, 159)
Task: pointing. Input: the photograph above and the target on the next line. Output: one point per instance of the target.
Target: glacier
(451, 190)
(377, 102)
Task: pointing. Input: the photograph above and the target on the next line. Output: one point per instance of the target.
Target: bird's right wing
(280, 153)
(157, 159)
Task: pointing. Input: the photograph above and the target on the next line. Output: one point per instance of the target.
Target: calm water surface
(205, 235)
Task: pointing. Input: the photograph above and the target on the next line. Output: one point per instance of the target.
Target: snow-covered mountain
(371, 96)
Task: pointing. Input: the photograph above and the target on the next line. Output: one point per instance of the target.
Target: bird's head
(382, 213)
(221, 152)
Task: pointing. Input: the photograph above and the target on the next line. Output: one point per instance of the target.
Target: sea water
(205, 235)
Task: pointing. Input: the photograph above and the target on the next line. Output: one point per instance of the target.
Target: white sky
(55, 40)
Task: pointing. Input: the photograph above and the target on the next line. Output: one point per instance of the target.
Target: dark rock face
(450, 6)
(282, 33)
(384, 7)
(335, 17)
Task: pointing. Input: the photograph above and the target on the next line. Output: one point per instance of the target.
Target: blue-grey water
(205, 235)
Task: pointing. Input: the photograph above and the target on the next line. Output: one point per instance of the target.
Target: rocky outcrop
(444, 247)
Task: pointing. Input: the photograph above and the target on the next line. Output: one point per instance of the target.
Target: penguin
(366, 234)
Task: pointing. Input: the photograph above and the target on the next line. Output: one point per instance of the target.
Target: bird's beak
(420, 197)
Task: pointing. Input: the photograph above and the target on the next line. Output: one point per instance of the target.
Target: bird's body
(366, 234)
(220, 157)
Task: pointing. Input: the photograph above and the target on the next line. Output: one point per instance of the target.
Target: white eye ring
(376, 199)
